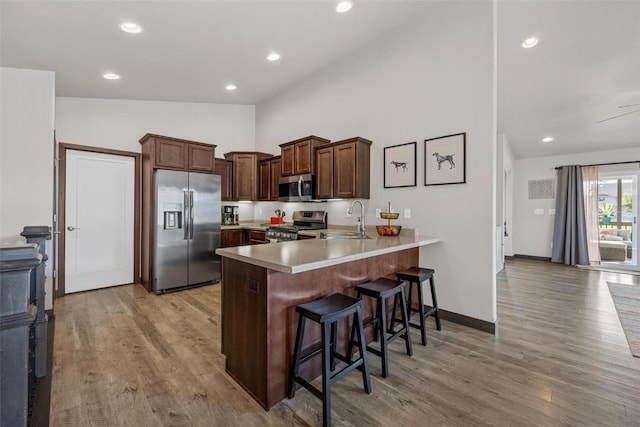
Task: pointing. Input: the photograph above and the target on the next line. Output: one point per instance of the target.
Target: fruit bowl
(389, 215)
(388, 230)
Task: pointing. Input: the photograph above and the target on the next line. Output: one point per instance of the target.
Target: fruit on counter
(388, 230)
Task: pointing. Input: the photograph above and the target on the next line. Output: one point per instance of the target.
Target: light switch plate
(378, 213)
(407, 213)
(538, 211)
(552, 211)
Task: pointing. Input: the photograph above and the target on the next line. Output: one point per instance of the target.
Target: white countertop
(304, 255)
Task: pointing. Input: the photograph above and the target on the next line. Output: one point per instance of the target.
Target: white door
(99, 216)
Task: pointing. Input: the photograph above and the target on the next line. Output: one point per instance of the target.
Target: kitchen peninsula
(262, 285)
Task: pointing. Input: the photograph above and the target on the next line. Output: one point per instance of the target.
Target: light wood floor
(124, 357)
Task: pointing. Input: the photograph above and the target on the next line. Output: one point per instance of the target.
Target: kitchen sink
(342, 235)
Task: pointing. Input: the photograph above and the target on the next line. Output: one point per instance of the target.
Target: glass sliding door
(618, 213)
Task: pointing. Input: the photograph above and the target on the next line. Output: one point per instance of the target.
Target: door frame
(62, 226)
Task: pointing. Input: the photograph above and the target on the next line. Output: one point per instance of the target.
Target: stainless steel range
(302, 220)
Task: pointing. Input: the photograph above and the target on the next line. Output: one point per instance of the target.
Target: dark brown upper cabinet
(298, 157)
(224, 168)
(343, 169)
(269, 172)
(276, 173)
(164, 152)
(324, 172)
(246, 173)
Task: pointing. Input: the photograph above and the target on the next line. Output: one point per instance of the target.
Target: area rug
(626, 298)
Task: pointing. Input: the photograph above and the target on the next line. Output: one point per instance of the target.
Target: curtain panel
(592, 220)
(570, 242)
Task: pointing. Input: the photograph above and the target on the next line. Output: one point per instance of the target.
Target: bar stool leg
(363, 350)
(435, 302)
(382, 325)
(405, 322)
(421, 311)
(376, 323)
(296, 356)
(326, 376)
(409, 300)
(334, 326)
(392, 325)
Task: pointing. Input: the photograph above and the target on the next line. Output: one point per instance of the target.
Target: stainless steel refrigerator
(187, 230)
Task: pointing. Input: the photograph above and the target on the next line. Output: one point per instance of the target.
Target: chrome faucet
(361, 223)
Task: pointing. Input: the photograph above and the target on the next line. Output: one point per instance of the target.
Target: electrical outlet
(407, 213)
(348, 214)
(259, 211)
(378, 213)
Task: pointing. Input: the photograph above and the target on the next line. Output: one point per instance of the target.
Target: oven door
(297, 188)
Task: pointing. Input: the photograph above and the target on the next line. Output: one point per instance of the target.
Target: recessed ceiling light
(111, 76)
(131, 27)
(273, 56)
(231, 87)
(344, 6)
(530, 42)
(547, 139)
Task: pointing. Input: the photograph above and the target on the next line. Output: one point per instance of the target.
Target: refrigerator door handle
(186, 214)
(191, 214)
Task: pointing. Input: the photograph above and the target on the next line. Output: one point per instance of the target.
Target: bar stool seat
(381, 289)
(417, 275)
(327, 311)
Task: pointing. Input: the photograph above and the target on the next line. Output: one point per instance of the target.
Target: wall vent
(541, 189)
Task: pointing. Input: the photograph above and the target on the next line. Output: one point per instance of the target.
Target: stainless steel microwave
(297, 188)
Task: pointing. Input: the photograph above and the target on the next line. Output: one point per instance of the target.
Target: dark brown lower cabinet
(233, 237)
(255, 237)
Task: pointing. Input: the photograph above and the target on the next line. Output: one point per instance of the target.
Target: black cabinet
(17, 332)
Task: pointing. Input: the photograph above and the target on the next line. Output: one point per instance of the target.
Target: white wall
(507, 163)
(431, 78)
(119, 124)
(533, 234)
(26, 154)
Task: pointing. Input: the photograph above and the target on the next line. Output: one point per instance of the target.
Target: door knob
(71, 228)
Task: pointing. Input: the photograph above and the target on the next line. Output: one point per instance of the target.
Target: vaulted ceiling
(585, 68)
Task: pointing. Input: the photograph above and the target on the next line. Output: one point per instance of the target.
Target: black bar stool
(417, 275)
(327, 312)
(381, 289)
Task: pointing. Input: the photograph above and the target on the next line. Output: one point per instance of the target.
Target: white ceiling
(586, 64)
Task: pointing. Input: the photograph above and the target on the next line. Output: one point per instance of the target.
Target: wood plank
(123, 356)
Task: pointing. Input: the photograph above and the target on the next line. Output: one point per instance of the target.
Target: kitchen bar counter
(304, 255)
(263, 284)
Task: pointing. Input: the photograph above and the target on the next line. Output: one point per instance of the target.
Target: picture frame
(399, 165)
(445, 159)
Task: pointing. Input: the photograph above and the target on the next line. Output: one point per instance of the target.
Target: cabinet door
(170, 154)
(302, 158)
(201, 158)
(232, 238)
(324, 173)
(276, 170)
(287, 160)
(344, 163)
(264, 186)
(245, 177)
(257, 237)
(224, 168)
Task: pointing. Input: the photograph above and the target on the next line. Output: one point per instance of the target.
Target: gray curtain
(570, 245)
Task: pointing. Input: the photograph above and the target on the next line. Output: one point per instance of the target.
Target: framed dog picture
(445, 160)
(400, 165)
